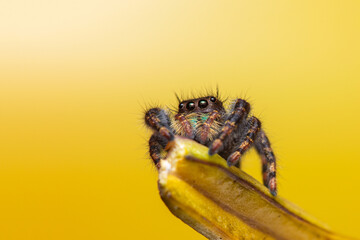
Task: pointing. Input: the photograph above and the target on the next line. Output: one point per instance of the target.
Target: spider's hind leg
(263, 147)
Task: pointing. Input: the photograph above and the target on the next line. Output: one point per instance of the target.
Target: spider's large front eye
(203, 103)
(190, 105)
(212, 99)
(181, 105)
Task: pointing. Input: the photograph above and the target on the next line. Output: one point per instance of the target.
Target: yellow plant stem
(226, 203)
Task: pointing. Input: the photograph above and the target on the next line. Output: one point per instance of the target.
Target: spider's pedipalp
(183, 125)
(207, 126)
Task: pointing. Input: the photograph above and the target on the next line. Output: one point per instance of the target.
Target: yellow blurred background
(76, 75)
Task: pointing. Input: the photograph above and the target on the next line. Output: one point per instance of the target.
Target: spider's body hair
(183, 96)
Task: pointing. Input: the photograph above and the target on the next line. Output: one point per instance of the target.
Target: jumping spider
(227, 133)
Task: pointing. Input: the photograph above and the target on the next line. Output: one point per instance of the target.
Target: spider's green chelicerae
(227, 133)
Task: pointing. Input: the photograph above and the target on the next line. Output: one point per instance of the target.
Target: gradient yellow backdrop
(75, 76)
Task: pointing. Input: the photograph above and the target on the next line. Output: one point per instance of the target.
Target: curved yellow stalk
(226, 203)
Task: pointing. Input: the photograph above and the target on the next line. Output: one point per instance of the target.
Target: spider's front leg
(256, 136)
(159, 121)
(157, 144)
(238, 113)
(254, 126)
(263, 147)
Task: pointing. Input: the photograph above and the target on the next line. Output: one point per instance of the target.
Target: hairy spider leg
(186, 125)
(157, 144)
(206, 128)
(239, 112)
(158, 120)
(262, 145)
(254, 126)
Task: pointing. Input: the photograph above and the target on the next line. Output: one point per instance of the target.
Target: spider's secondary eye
(181, 105)
(190, 105)
(212, 99)
(203, 103)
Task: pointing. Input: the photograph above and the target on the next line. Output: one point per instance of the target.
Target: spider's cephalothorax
(228, 133)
